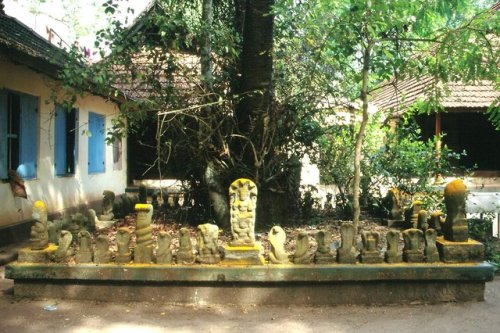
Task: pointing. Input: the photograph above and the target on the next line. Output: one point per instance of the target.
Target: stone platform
(244, 285)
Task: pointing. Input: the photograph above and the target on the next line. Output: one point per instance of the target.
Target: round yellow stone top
(455, 187)
(143, 207)
(39, 205)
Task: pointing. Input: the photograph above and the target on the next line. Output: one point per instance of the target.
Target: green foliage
(407, 162)
(323, 52)
(481, 230)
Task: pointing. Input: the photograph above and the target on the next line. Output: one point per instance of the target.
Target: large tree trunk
(255, 88)
(212, 178)
(254, 110)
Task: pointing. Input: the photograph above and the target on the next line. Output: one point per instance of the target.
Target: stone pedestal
(143, 254)
(393, 257)
(123, 258)
(324, 258)
(371, 257)
(470, 251)
(83, 257)
(413, 256)
(243, 255)
(37, 256)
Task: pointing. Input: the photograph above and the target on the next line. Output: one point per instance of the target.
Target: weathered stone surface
(36, 256)
(164, 252)
(185, 253)
(143, 253)
(124, 255)
(395, 208)
(422, 223)
(54, 229)
(324, 253)
(97, 223)
(108, 199)
(39, 239)
(370, 253)
(102, 254)
(455, 227)
(243, 205)
(281, 294)
(412, 251)
(393, 255)
(269, 284)
(84, 253)
(430, 251)
(347, 253)
(64, 250)
(301, 255)
(243, 255)
(277, 253)
(436, 220)
(206, 239)
(411, 214)
(456, 252)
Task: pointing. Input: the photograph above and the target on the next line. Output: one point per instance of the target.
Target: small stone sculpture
(64, 249)
(435, 221)
(108, 199)
(144, 243)
(301, 255)
(98, 224)
(370, 253)
(185, 252)
(430, 251)
(102, 253)
(78, 222)
(412, 250)
(323, 254)
(395, 209)
(84, 253)
(422, 223)
(243, 203)
(206, 238)
(455, 228)
(39, 234)
(54, 229)
(411, 215)
(392, 255)
(164, 252)
(277, 253)
(124, 256)
(347, 253)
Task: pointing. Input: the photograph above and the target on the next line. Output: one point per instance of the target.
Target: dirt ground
(86, 316)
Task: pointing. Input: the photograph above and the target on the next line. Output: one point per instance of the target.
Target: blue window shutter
(3, 134)
(96, 143)
(28, 137)
(60, 131)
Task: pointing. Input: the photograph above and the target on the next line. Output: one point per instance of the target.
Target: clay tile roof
(398, 96)
(17, 38)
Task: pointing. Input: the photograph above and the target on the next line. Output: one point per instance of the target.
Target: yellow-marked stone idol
(39, 238)
(144, 242)
(243, 250)
(243, 202)
(455, 244)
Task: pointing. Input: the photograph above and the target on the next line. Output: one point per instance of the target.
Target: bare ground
(24, 315)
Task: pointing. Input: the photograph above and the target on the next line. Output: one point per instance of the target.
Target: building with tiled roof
(396, 98)
(464, 121)
(23, 45)
(45, 148)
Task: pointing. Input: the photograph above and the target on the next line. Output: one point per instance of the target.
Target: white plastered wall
(59, 193)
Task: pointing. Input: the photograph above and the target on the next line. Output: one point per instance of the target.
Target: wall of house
(60, 193)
